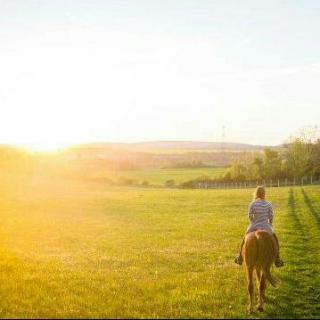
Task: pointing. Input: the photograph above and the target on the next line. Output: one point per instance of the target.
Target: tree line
(300, 159)
(295, 161)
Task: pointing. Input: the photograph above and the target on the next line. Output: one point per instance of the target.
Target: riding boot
(278, 261)
(239, 260)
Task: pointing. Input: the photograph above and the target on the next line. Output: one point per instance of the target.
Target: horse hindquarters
(266, 255)
(259, 252)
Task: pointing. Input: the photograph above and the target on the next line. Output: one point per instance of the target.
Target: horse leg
(250, 287)
(262, 288)
(258, 273)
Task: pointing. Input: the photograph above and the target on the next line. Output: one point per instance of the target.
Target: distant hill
(175, 145)
(196, 145)
(161, 154)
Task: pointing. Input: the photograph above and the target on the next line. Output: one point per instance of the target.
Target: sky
(123, 71)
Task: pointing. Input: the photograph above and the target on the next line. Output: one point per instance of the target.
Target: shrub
(170, 183)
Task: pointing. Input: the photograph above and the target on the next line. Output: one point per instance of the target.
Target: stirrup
(238, 260)
(279, 263)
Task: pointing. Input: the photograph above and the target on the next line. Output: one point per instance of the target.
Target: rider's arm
(250, 212)
(270, 214)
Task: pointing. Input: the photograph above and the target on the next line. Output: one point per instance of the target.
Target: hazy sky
(78, 71)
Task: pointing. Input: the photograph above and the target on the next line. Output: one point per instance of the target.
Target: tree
(315, 160)
(145, 183)
(298, 157)
(238, 171)
(272, 164)
(170, 183)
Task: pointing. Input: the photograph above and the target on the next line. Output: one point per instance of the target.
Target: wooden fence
(254, 184)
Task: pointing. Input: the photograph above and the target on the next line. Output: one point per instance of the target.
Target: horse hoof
(250, 310)
(260, 308)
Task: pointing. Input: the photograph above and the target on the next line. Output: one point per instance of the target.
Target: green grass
(160, 176)
(79, 249)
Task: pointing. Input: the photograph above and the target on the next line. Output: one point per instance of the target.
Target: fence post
(278, 183)
(302, 181)
(286, 181)
(311, 179)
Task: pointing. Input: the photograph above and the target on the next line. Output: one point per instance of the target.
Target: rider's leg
(239, 259)
(278, 262)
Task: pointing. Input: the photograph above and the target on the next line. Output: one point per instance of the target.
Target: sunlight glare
(46, 147)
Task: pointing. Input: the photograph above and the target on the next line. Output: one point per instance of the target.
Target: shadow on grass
(293, 214)
(291, 298)
(312, 208)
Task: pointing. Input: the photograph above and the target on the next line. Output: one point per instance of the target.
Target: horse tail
(266, 254)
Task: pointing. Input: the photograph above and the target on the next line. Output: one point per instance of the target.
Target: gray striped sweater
(260, 214)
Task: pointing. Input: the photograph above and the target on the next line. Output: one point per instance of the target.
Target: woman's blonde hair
(259, 193)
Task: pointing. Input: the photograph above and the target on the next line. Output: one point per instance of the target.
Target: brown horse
(259, 252)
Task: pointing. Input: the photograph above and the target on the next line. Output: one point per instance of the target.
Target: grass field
(73, 249)
(160, 176)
